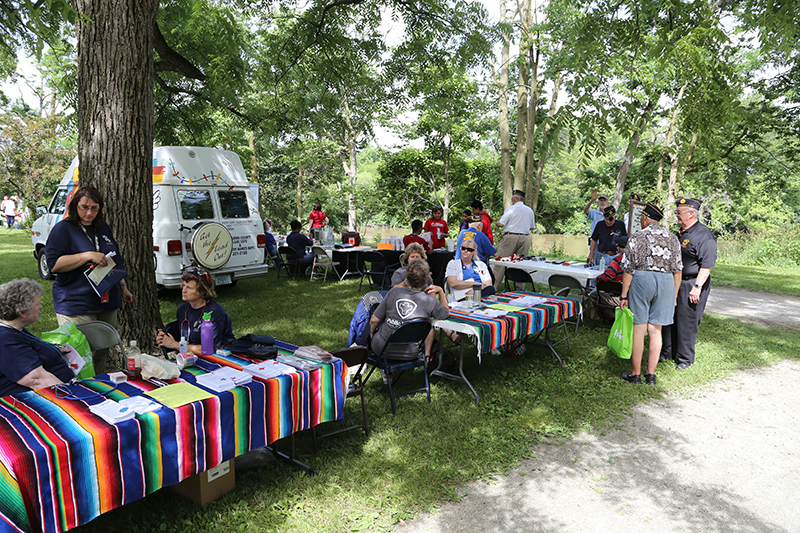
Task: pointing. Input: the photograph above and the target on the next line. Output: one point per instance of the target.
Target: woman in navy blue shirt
(80, 240)
(26, 362)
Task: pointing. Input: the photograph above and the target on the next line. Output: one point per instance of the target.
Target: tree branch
(172, 61)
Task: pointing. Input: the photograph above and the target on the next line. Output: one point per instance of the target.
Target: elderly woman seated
(26, 362)
(414, 252)
(407, 303)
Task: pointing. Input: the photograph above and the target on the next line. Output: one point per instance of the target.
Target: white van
(204, 213)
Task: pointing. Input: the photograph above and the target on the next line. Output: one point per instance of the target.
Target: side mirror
(41, 210)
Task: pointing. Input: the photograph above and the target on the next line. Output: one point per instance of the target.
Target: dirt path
(723, 460)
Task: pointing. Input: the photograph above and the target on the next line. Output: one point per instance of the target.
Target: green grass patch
(417, 459)
(772, 279)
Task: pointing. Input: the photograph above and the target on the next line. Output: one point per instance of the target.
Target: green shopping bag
(68, 333)
(620, 340)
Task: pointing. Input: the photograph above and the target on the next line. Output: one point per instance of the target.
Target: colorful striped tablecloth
(62, 466)
(491, 333)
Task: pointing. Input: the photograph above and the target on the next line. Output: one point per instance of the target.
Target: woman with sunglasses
(466, 271)
(79, 241)
(197, 291)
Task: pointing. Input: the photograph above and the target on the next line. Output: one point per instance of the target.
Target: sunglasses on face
(465, 249)
(609, 217)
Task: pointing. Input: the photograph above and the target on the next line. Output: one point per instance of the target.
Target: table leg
(460, 377)
(289, 459)
(548, 344)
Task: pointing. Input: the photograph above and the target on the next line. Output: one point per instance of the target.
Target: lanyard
(186, 320)
(32, 336)
(95, 241)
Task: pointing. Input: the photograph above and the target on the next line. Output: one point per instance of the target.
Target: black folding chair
(561, 285)
(377, 274)
(288, 261)
(354, 357)
(602, 304)
(517, 275)
(401, 353)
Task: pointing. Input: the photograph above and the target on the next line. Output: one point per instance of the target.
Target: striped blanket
(62, 466)
(496, 332)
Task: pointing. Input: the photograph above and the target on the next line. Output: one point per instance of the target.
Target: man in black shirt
(298, 242)
(604, 237)
(699, 254)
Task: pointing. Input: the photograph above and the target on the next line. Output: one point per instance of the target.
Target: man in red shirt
(414, 236)
(477, 209)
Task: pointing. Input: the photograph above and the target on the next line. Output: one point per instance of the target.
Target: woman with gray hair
(26, 362)
(414, 252)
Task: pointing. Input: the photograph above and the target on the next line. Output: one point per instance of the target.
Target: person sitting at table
(485, 249)
(408, 303)
(26, 362)
(464, 272)
(414, 252)
(299, 242)
(197, 292)
(415, 237)
(613, 272)
(271, 247)
(438, 228)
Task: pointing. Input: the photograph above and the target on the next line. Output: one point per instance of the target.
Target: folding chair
(377, 274)
(613, 288)
(561, 285)
(288, 260)
(355, 358)
(321, 261)
(517, 275)
(101, 336)
(401, 353)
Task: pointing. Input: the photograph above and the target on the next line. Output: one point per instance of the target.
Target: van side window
(233, 204)
(59, 204)
(196, 205)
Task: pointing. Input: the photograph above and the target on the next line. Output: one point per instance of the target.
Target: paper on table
(179, 394)
(504, 307)
(527, 301)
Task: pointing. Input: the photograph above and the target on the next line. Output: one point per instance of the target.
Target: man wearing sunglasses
(604, 237)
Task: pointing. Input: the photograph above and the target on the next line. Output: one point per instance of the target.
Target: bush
(779, 247)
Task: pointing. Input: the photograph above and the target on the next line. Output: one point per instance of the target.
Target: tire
(44, 272)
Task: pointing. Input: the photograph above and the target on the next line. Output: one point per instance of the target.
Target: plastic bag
(620, 339)
(68, 333)
(153, 367)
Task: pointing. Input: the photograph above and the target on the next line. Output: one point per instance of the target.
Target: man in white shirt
(517, 223)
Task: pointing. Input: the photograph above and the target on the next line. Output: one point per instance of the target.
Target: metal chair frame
(321, 260)
(373, 257)
(517, 275)
(561, 285)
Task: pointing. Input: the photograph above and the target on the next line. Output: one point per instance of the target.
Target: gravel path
(722, 460)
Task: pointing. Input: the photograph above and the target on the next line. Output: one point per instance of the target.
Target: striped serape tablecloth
(491, 333)
(62, 466)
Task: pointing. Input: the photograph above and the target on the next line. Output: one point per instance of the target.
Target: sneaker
(650, 379)
(683, 366)
(630, 378)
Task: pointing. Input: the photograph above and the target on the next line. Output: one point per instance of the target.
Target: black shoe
(650, 379)
(635, 379)
(663, 358)
(683, 366)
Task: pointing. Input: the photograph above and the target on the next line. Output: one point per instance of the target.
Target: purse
(620, 339)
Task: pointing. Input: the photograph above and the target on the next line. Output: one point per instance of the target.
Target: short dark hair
(93, 194)
(205, 283)
(295, 225)
(477, 204)
(467, 212)
(416, 225)
(316, 206)
(417, 274)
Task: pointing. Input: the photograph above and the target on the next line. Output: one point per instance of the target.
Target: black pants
(679, 338)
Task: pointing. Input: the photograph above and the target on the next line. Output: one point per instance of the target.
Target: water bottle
(207, 335)
(603, 264)
(183, 345)
(134, 356)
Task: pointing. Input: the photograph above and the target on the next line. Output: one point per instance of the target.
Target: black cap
(609, 210)
(689, 202)
(519, 193)
(652, 211)
(622, 242)
(634, 196)
(476, 218)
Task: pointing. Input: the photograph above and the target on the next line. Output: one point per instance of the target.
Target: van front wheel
(44, 272)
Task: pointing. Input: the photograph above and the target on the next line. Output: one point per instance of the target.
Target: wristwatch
(696, 286)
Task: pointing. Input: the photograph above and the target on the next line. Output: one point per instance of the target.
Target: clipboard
(103, 279)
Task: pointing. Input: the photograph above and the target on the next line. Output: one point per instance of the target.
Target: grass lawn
(413, 461)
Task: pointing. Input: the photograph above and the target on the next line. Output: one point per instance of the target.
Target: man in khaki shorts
(517, 223)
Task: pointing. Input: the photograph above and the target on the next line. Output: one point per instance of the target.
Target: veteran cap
(609, 210)
(689, 202)
(602, 197)
(475, 218)
(622, 242)
(634, 196)
(652, 211)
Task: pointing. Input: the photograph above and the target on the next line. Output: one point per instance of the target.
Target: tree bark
(299, 201)
(115, 140)
(630, 152)
(505, 131)
(543, 150)
(523, 133)
(530, 171)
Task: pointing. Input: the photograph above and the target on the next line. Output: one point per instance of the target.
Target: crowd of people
(665, 281)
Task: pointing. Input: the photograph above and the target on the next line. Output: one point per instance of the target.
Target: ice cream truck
(204, 213)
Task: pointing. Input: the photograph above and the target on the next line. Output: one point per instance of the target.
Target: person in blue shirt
(197, 292)
(484, 247)
(26, 362)
(299, 242)
(80, 241)
(463, 273)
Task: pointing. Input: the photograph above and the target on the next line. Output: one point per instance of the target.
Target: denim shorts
(651, 297)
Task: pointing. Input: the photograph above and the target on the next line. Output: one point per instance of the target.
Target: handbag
(620, 339)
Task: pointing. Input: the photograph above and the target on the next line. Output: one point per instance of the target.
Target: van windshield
(196, 205)
(233, 204)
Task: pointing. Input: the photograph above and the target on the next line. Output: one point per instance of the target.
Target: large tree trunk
(523, 133)
(115, 140)
(630, 152)
(299, 202)
(530, 162)
(543, 150)
(505, 130)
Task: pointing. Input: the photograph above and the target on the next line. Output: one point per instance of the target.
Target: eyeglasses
(465, 249)
(197, 273)
(92, 208)
(679, 213)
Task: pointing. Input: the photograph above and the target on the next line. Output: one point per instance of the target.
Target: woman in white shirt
(466, 271)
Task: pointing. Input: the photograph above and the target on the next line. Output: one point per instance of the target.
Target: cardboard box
(207, 486)
(384, 246)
